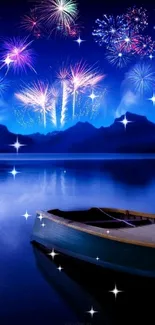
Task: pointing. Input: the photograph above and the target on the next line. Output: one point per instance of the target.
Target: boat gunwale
(94, 230)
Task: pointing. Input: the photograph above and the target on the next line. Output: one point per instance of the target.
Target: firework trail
(60, 13)
(63, 76)
(54, 93)
(141, 77)
(36, 96)
(18, 54)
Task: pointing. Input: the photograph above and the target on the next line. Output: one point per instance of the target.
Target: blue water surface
(28, 294)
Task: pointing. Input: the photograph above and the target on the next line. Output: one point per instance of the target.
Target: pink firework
(31, 23)
(129, 41)
(18, 54)
(73, 30)
(146, 46)
(137, 18)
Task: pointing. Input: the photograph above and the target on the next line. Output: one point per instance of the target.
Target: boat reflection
(83, 286)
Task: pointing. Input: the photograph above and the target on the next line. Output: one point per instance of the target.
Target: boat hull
(105, 252)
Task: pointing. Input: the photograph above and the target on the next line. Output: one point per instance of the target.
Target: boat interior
(104, 218)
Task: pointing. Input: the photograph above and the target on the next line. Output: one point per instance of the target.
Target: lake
(32, 290)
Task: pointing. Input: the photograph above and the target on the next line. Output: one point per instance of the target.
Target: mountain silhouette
(137, 137)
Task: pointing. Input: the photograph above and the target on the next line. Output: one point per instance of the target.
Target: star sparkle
(79, 40)
(17, 145)
(93, 96)
(115, 291)
(152, 99)
(92, 311)
(60, 268)
(7, 61)
(43, 225)
(97, 258)
(40, 217)
(53, 254)
(125, 121)
(14, 172)
(26, 215)
(150, 56)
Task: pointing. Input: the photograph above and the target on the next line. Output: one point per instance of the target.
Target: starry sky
(113, 98)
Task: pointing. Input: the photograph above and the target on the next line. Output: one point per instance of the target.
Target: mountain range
(137, 137)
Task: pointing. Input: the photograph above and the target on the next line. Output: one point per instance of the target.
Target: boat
(121, 240)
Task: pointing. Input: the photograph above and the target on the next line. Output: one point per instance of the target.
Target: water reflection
(82, 286)
(64, 185)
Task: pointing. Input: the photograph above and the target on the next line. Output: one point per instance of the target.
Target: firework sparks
(82, 77)
(137, 18)
(141, 77)
(31, 23)
(38, 97)
(73, 30)
(58, 12)
(117, 56)
(4, 85)
(109, 29)
(54, 93)
(63, 76)
(129, 41)
(18, 54)
(145, 46)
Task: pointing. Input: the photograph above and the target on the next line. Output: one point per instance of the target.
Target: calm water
(32, 290)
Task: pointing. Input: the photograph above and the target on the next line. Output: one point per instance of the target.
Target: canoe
(116, 239)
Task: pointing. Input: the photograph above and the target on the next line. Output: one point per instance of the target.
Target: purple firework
(137, 18)
(146, 46)
(19, 54)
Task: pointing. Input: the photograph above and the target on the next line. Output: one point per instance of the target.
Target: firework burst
(117, 56)
(18, 54)
(81, 78)
(60, 13)
(109, 29)
(137, 18)
(146, 46)
(141, 78)
(129, 41)
(31, 23)
(38, 97)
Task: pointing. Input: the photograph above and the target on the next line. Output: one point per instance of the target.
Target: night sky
(51, 52)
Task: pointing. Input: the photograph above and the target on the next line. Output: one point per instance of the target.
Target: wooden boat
(117, 239)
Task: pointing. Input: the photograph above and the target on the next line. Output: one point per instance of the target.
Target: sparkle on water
(26, 215)
(92, 311)
(14, 172)
(115, 291)
(40, 217)
(53, 254)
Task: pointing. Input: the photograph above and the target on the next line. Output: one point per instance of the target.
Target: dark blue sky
(51, 52)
